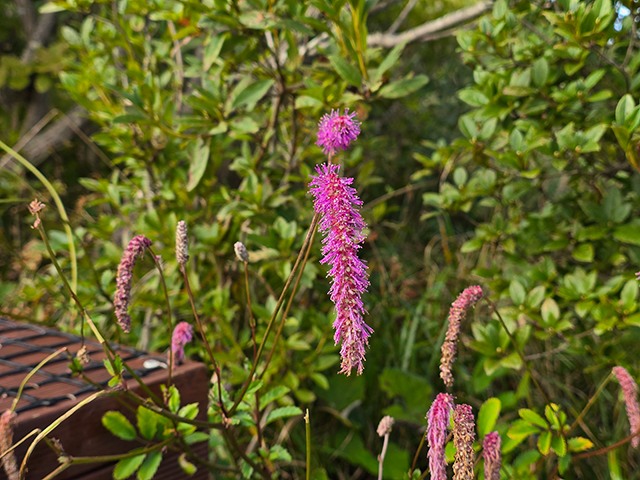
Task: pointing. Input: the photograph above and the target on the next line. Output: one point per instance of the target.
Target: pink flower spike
(182, 334)
(437, 424)
(492, 456)
(337, 131)
(8, 421)
(134, 250)
(463, 436)
(458, 311)
(340, 220)
(630, 393)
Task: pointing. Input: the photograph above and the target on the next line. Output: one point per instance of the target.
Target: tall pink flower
(337, 131)
(458, 310)
(463, 435)
(338, 204)
(182, 334)
(134, 250)
(437, 424)
(630, 392)
(492, 457)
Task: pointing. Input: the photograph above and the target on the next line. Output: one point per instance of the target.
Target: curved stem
(275, 313)
(382, 455)
(166, 297)
(61, 210)
(307, 427)
(252, 321)
(31, 374)
(415, 457)
(589, 403)
(604, 450)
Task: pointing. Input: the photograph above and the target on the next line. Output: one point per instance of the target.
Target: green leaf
(488, 415)
(127, 466)
(583, 253)
(252, 93)
(624, 108)
(212, 50)
(347, 71)
(174, 399)
(629, 233)
(189, 411)
(404, 87)
(118, 424)
(532, 417)
(521, 429)
(550, 312)
(473, 97)
(579, 444)
(629, 294)
(199, 160)
(272, 395)
(517, 292)
(559, 446)
(147, 422)
(389, 61)
(149, 467)
(535, 296)
(186, 466)
(540, 72)
(544, 442)
(282, 412)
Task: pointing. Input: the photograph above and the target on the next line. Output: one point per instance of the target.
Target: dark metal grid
(127, 354)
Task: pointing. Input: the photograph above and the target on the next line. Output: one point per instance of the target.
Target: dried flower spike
(340, 220)
(463, 435)
(241, 252)
(492, 457)
(7, 424)
(458, 310)
(437, 425)
(384, 427)
(630, 393)
(337, 131)
(34, 208)
(182, 334)
(134, 250)
(182, 244)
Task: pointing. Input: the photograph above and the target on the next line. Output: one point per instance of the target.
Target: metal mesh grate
(23, 346)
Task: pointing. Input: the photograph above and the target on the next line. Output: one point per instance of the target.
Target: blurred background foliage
(501, 151)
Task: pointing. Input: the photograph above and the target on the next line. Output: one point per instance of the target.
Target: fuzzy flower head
(463, 436)
(182, 334)
(340, 221)
(630, 393)
(337, 131)
(134, 250)
(182, 243)
(437, 425)
(7, 424)
(241, 252)
(492, 456)
(466, 299)
(384, 427)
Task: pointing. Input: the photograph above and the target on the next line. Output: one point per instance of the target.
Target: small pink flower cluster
(182, 334)
(458, 310)
(337, 131)
(630, 393)
(134, 250)
(492, 456)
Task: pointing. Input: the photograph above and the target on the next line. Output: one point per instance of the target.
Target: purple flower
(182, 334)
(630, 393)
(338, 203)
(463, 435)
(337, 131)
(7, 424)
(492, 456)
(457, 313)
(437, 425)
(134, 250)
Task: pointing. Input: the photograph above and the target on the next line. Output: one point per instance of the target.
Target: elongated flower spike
(134, 250)
(340, 220)
(492, 457)
(182, 244)
(182, 334)
(463, 436)
(458, 310)
(9, 462)
(385, 425)
(437, 424)
(630, 393)
(337, 131)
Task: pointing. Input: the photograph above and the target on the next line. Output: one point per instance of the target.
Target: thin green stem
(58, 471)
(232, 440)
(415, 457)
(252, 322)
(275, 313)
(589, 404)
(31, 374)
(291, 297)
(61, 210)
(117, 457)
(166, 297)
(307, 427)
(216, 368)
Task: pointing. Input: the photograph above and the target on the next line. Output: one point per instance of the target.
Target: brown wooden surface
(83, 433)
